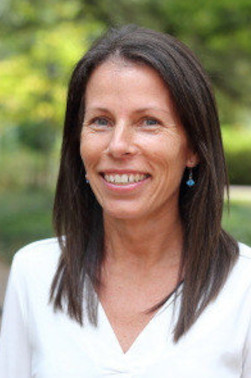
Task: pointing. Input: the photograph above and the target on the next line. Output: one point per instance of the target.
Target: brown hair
(208, 252)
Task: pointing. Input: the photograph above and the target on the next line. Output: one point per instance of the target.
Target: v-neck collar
(105, 322)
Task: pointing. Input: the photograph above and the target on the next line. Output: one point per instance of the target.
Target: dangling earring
(86, 179)
(190, 182)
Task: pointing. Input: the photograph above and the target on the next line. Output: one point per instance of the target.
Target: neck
(144, 243)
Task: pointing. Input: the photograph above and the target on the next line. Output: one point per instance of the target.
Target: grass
(25, 216)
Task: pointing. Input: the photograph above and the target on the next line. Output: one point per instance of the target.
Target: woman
(143, 282)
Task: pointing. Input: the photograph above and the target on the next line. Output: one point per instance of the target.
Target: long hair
(208, 252)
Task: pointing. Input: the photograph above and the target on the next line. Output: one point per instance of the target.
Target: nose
(122, 141)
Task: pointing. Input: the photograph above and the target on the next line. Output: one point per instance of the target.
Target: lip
(123, 171)
(125, 188)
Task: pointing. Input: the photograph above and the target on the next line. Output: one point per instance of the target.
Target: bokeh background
(41, 40)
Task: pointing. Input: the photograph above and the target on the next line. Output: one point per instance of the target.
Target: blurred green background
(40, 43)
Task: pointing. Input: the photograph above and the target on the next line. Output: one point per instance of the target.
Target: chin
(123, 212)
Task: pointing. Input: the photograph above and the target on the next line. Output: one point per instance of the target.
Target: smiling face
(132, 145)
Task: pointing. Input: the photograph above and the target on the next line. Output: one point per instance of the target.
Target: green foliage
(239, 166)
(35, 72)
(23, 168)
(237, 222)
(25, 217)
(237, 143)
(37, 136)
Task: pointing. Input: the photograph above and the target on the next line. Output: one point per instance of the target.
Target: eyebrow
(94, 109)
(151, 108)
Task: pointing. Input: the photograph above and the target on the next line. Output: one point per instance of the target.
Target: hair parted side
(208, 252)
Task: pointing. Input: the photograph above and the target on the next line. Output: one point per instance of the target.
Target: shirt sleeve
(15, 355)
(246, 367)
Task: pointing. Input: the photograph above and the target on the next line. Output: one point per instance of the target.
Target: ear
(192, 160)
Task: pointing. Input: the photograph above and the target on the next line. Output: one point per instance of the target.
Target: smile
(124, 179)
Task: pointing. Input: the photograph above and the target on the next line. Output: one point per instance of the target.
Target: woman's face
(133, 147)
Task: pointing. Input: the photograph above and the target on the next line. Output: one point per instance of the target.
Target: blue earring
(86, 179)
(190, 182)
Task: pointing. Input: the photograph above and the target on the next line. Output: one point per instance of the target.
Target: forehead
(119, 81)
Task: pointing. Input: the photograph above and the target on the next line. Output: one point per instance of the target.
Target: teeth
(131, 178)
(124, 178)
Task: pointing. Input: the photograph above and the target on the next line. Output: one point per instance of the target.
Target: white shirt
(37, 342)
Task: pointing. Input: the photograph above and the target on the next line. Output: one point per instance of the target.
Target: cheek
(169, 153)
(91, 150)
(86, 152)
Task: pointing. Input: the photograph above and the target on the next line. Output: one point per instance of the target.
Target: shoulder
(40, 247)
(37, 257)
(243, 264)
(32, 271)
(245, 253)
(242, 267)
(239, 280)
